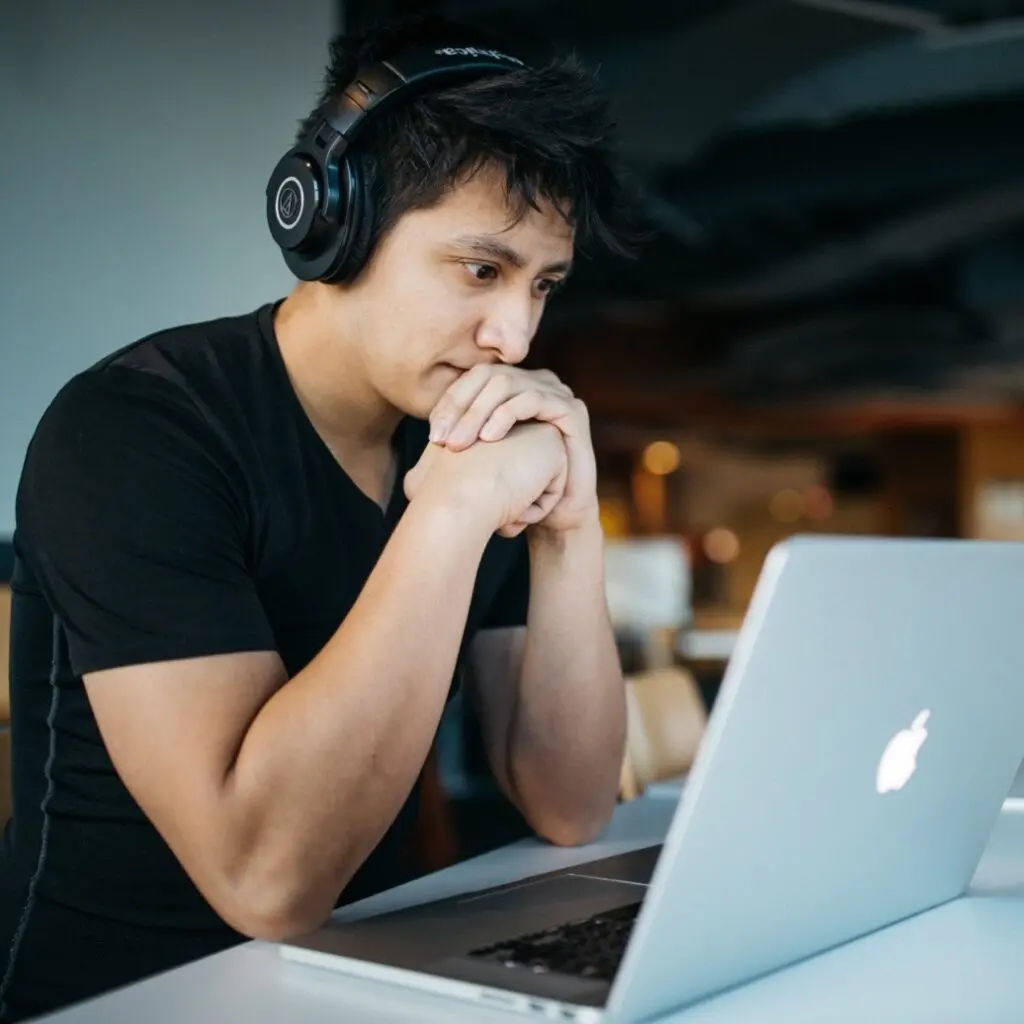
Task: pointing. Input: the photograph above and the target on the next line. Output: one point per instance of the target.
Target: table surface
(959, 962)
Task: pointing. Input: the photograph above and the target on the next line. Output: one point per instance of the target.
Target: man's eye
(550, 285)
(482, 271)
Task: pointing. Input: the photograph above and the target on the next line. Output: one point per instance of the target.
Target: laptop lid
(868, 728)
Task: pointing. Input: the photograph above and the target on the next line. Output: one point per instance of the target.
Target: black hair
(546, 129)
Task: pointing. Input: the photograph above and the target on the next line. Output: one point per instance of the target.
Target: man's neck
(330, 380)
(354, 422)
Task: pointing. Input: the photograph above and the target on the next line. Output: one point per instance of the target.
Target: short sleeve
(511, 602)
(132, 519)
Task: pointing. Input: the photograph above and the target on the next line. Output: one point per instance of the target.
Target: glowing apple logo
(899, 761)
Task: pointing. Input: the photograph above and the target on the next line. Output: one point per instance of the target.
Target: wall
(136, 143)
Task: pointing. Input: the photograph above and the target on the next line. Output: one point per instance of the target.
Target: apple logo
(899, 760)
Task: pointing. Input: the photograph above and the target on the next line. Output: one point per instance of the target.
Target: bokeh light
(787, 506)
(818, 503)
(661, 458)
(721, 545)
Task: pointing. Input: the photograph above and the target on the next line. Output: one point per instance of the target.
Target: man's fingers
(516, 410)
(538, 513)
(546, 407)
(501, 420)
(541, 508)
(500, 384)
(552, 495)
(498, 391)
(457, 399)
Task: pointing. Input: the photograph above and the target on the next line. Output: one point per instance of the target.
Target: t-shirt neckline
(265, 317)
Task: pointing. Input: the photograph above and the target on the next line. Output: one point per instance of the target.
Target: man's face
(453, 286)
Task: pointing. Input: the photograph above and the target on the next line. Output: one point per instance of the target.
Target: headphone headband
(318, 209)
(378, 83)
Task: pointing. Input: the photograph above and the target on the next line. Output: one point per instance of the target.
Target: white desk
(672, 788)
(961, 962)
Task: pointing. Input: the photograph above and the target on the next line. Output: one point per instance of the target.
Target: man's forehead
(482, 208)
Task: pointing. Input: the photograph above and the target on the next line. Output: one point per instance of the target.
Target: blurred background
(825, 332)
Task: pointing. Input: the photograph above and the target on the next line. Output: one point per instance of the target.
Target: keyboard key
(592, 948)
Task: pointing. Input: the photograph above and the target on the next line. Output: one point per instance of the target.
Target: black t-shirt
(175, 502)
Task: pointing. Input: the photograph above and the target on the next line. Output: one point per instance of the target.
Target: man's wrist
(586, 538)
(450, 512)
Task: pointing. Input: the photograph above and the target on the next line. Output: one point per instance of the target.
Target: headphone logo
(289, 203)
(472, 51)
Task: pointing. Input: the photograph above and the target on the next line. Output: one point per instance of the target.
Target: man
(246, 578)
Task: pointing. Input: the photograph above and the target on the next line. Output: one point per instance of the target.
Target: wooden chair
(435, 843)
(666, 719)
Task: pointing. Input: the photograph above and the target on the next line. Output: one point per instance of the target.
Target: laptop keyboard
(586, 949)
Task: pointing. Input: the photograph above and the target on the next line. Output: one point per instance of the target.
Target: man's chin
(419, 407)
(434, 388)
(419, 400)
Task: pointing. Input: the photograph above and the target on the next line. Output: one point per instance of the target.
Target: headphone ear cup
(355, 223)
(294, 195)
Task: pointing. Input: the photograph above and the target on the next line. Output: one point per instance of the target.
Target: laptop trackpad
(549, 902)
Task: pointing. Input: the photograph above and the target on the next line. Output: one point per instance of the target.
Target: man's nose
(508, 331)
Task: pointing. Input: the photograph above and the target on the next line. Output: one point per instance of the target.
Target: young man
(246, 578)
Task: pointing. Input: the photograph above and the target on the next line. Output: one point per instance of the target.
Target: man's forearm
(328, 761)
(568, 729)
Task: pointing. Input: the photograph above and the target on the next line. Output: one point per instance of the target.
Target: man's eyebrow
(485, 245)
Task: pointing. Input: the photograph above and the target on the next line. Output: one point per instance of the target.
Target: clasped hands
(518, 412)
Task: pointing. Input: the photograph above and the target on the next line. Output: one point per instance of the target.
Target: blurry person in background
(254, 557)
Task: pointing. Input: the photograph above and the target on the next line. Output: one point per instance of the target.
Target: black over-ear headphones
(319, 209)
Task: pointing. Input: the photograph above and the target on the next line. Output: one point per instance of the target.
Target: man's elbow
(275, 908)
(272, 917)
(573, 830)
(275, 924)
(565, 819)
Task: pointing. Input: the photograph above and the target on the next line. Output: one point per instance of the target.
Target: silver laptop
(868, 728)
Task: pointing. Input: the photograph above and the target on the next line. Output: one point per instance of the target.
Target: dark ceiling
(835, 187)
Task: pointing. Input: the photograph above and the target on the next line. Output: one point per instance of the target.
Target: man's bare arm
(272, 795)
(550, 697)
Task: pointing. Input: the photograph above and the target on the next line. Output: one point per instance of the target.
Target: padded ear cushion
(357, 221)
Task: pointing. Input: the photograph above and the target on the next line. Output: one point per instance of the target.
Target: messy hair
(547, 130)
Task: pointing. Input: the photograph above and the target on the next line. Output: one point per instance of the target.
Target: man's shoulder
(191, 351)
(186, 371)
